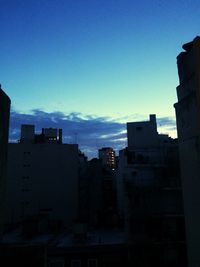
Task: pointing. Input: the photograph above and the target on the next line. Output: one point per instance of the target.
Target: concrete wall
(188, 126)
(142, 134)
(42, 178)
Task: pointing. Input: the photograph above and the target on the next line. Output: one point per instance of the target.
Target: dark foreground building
(151, 197)
(4, 127)
(94, 249)
(188, 126)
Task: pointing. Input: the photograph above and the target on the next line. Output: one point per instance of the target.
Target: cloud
(90, 132)
(167, 125)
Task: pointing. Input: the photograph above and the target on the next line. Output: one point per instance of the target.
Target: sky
(89, 66)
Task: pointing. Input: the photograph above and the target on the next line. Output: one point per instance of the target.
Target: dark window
(25, 203)
(26, 190)
(75, 263)
(92, 263)
(25, 177)
(26, 165)
(56, 263)
(139, 128)
(134, 173)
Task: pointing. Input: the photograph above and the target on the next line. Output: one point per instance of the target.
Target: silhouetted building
(107, 156)
(143, 134)
(96, 249)
(188, 126)
(48, 135)
(97, 195)
(42, 179)
(4, 129)
(150, 197)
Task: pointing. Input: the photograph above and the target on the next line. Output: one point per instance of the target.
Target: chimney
(152, 118)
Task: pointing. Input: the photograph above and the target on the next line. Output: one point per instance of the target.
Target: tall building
(150, 196)
(4, 129)
(42, 178)
(97, 195)
(107, 156)
(188, 127)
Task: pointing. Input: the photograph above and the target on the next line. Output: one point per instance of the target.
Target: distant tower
(4, 128)
(188, 126)
(107, 155)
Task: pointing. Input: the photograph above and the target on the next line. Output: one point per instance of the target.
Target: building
(143, 134)
(150, 196)
(42, 184)
(4, 130)
(97, 195)
(95, 249)
(107, 156)
(188, 126)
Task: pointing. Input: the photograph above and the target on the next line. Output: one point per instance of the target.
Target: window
(92, 263)
(75, 263)
(25, 203)
(171, 256)
(139, 128)
(134, 173)
(56, 263)
(26, 190)
(26, 165)
(25, 177)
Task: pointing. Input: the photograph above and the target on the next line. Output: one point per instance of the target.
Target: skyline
(90, 133)
(114, 60)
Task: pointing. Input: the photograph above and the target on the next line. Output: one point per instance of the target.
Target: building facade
(150, 196)
(188, 127)
(4, 131)
(42, 179)
(143, 134)
(107, 156)
(97, 195)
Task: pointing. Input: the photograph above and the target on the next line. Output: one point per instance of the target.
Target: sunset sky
(89, 66)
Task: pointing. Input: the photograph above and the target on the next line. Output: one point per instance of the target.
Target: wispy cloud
(167, 125)
(90, 132)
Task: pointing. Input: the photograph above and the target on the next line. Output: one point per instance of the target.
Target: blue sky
(106, 58)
